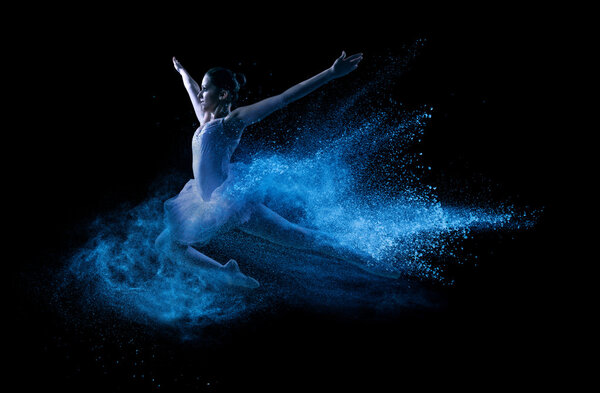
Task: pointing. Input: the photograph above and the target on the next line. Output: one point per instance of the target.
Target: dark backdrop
(98, 111)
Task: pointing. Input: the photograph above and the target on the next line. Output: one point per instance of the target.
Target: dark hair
(226, 79)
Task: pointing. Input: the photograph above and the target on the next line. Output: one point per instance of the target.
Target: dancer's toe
(246, 281)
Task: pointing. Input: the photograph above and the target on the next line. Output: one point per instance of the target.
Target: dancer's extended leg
(267, 224)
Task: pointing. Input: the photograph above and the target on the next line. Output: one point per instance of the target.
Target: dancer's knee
(163, 241)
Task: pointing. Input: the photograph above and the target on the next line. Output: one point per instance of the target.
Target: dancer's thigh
(269, 225)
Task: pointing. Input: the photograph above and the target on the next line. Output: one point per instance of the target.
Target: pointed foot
(236, 277)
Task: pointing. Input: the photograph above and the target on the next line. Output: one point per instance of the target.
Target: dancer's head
(220, 89)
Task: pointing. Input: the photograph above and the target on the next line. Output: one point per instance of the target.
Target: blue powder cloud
(353, 175)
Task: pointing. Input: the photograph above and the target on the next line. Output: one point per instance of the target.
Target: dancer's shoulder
(233, 125)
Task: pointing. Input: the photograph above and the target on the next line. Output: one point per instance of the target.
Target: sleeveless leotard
(210, 202)
(211, 152)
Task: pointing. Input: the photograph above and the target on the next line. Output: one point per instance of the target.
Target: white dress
(210, 202)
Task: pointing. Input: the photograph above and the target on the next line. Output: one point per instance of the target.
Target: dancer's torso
(211, 153)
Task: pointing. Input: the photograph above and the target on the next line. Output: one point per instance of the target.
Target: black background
(102, 113)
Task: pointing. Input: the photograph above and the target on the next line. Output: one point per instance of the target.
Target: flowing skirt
(193, 221)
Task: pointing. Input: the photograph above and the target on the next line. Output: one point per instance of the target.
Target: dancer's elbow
(253, 113)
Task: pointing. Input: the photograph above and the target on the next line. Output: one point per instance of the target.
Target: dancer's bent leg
(189, 254)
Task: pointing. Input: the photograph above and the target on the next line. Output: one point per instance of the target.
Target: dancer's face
(211, 96)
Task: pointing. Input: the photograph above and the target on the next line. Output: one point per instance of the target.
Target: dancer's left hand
(344, 65)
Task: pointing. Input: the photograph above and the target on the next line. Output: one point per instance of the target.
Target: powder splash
(354, 175)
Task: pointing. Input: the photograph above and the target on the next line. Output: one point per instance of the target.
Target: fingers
(176, 64)
(343, 56)
(354, 59)
(354, 56)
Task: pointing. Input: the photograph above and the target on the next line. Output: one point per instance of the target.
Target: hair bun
(240, 78)
(226, 79)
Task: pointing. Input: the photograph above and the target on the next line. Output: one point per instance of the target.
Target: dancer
(210, 204)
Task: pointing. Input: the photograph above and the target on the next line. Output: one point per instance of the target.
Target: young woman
(210, 204)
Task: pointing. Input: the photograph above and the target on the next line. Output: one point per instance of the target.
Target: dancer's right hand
(177, 64)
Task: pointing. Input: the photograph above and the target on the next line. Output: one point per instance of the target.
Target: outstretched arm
(247, 115)
(193, 91)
